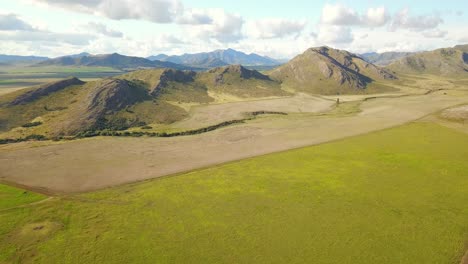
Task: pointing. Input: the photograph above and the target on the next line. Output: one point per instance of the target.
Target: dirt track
(96, 163)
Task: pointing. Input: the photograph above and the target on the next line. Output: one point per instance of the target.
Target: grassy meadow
(394, 196)
(11, 197)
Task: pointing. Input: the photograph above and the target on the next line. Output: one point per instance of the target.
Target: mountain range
(113, 60)
(218, 58)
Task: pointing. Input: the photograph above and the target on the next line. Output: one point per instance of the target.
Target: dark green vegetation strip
(394, 196)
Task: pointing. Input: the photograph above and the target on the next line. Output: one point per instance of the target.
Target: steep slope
(218, 58)
(109, 60)
(103, 99)
(446, 62)
(325, 70)
(385, 58)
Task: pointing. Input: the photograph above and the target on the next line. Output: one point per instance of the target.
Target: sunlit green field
(394, 196)
(11, 197)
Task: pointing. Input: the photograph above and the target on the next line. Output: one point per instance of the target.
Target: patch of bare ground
(217, 113)
(456, 114)
(464, 259)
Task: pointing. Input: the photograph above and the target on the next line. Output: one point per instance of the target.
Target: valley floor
(96, 163)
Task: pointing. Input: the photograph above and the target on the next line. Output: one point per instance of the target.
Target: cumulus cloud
(208, 23)
(275, 28)
(102, 29)
(340, 15)
(404, 20)
(159, 11)
(12, 22)
(330, 34)
(226, 27)
(195, 17)
(376, 17)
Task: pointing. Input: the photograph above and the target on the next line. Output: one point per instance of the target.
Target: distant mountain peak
(218, 58)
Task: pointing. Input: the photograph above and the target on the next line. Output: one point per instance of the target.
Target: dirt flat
(217, 113)
(95, 163)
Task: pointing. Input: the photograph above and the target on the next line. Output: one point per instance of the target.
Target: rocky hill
(446, 62)
(330, 71)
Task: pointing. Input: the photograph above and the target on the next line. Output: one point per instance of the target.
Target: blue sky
(273, 28)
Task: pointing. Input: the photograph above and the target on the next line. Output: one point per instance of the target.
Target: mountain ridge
(113, 60)
(444, 61)
(218, 58)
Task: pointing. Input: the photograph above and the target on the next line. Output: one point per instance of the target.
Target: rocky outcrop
(329, 71)
(171, 75)
(46, 89)
(236, 70)
(104, 98)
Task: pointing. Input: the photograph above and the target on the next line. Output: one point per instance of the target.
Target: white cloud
(329, 34)
(404, 20)
(337, 14)
(225, 27)
(376, 17)
(195, 16)
(340, 15)
(102, 29)
(12, 22)
(158, 11)
(275, 28)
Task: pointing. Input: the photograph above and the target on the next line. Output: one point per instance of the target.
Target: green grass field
(394, 196)
(11, 197)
